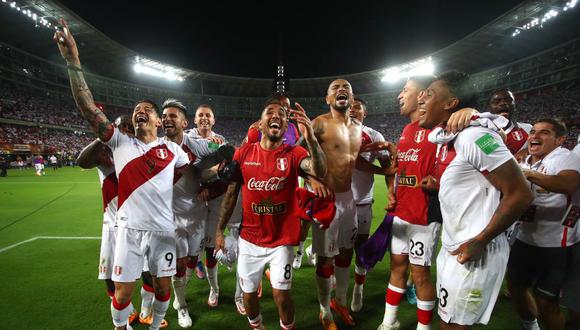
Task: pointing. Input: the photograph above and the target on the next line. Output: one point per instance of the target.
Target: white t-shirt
(546, 229)
(145, 173)
(109, 190)
(576, 150)
(468, 199)
(195, 134)
(52, 160)
(187, 186)
(363, 182)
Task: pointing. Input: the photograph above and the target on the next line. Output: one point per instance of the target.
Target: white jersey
(363, 182)
(545, 227)
(145, 173)
(109, 190)
(186, 188)
(576, 150)
(195, 134)
(468, 199)
(52, 160)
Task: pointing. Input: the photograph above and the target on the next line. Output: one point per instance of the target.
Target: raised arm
(81, 93)
(565, 182)
(314, 165)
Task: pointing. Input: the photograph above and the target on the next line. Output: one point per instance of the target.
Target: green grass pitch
(52, 283)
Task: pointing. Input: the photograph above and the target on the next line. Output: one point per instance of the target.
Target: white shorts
(38, 167)
(107, 253)
(417, 241)
(364, 217)
(467, 293)
(188, 239)
(342, 231)
(213, 216)
(252, 260)
(134, 245)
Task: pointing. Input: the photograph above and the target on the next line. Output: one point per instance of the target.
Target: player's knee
(181, 266)
(281, 297)
(421, 276)
(547, 307)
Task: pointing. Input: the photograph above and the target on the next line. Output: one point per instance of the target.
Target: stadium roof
(490, 46)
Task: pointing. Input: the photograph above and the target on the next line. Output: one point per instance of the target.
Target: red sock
(359, 279)
(425, 311)
(210, 263)
(394, 295)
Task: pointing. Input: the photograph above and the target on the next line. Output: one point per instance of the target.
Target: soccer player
(39, 165)
(553, 173)
(98, 155)
(189, 232)
(53, 162)
(477, 169)
(362, 189)
(208, 209)
(502, 102)
(268, 171)
(145, 166)
(340, 137)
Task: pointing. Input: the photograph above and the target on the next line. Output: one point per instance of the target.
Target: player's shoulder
(525, 126)
(482, 137)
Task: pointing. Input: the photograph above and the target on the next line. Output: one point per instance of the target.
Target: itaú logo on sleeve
(411, 155)
(272, 184)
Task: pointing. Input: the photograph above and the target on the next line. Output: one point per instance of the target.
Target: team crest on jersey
(419, 136)
(117, 270)
(518, 136)
(282, 163)
(162, 153)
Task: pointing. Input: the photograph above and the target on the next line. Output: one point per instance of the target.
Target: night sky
(245, 38)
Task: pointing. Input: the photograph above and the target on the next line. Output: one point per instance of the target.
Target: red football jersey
(416, 159)
(270, 178)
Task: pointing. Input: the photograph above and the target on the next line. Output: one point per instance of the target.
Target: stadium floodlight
(35, 17)
(421, 67)
(550, 13)
(149, 67)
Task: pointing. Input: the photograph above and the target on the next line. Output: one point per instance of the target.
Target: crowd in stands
(17, 103)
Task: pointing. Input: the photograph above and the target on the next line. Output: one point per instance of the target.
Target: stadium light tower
(152, 68)
(421, 67)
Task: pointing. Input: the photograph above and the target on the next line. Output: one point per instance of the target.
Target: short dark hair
(271, 100)
(461, 87)
(363, 102)
(150, 102)
(174, 103)
(497, 91)
(281, 95)
(558, 126)
(423, 81)
(205, 105)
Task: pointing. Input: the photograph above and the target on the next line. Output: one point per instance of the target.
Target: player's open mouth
(141, 119)
(204, 122)
(168, 125)
(352, 115)
(535, 145)
(342, 97)
(422, 112)
(401, 104)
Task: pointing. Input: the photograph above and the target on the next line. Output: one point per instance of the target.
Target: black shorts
(541, 268)
(571, 288)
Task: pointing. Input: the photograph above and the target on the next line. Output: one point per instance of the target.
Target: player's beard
(274, 138)
(342, 108)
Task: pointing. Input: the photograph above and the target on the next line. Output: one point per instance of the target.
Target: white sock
(159, 310)
(179, 286)
(146, 302)
(390, 316)
(120, 317)
(212, 277)
(256, 322)
(239, 293)
(342, 276)
(324, 286)
(301, 248)
(531, 324)
(287, 326)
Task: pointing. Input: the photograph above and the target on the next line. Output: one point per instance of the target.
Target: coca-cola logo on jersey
(272, 184)
(411, 155)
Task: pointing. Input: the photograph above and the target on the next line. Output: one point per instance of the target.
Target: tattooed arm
(81, 93)
(314, 165)
(516, 197)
